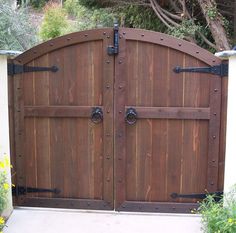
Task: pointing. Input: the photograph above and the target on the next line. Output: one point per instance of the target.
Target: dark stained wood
(119, 126)
(169, 148)
(67, 203)
(172, 112)
(62, 147)
(223, 133)
(161, 207)
(177, 144)
(58, 111)
(214, 134)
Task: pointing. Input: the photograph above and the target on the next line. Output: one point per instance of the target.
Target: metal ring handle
(131, 116)
(97, 115)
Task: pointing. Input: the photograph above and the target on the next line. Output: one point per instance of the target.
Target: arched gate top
(124, 33)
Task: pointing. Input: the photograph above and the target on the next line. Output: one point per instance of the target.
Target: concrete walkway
(38, 220)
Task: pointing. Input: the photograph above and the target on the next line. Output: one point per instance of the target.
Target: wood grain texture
(62, 147)
(176, 145)
(167, 150)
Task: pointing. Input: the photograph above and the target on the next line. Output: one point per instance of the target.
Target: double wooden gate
(98, 125)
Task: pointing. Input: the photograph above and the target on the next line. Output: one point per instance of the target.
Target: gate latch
(113, 50)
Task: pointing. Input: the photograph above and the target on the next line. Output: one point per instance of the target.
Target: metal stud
(214, 137)
(107, 86)
(108, 37)
(124, 33)
(104, 33)
(120, 62)
(85, 35)
(215, 90)
(108, 62)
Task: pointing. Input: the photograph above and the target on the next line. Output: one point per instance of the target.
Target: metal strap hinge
(221, 70)
(19, 69)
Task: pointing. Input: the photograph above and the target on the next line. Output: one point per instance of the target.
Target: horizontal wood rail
(58, 111)
(172, 112)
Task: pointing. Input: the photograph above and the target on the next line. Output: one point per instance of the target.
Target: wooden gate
(108, 119)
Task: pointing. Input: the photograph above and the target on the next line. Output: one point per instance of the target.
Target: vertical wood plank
(175, 127)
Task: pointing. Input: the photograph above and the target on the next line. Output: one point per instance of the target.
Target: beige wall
(4, 123)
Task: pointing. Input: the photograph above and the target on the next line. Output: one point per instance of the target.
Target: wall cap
(9, 53)
(226, 54)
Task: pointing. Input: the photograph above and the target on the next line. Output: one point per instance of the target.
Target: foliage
(71, 7)
(4, 188)
(16, 31)
(186, 28)
(140, 17)
(38, 4)
(54, 23)
(94, 18)
(219, 217)
(93, 3)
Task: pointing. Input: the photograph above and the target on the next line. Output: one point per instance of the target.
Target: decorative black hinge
(221, 70)
(113, 50)
(19, 69)
(216, 195)
(20, 190)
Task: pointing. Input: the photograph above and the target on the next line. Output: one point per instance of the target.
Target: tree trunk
(215, 23)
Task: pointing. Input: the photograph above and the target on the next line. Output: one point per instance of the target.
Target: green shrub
(16, 30)
(71, 7)
(94, 18)
(38, 4)
(219, 217)
(4, 188)
(54, 23)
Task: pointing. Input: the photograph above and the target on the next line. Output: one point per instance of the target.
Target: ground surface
(29, 220)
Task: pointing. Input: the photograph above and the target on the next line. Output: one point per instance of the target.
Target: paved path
(34, 220)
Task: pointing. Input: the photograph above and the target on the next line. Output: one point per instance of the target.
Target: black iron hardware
(221, 70)
(20, 190)
(113, 50)
(19, 69)
(131, 116)
(216, 195)
(97, 115)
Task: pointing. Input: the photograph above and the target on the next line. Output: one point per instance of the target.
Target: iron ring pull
(97, 115)
(131, 116)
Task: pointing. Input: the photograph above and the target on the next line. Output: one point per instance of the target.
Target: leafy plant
(219, 217)
(94, 18)
(54, 23)
(4, 188)
(71, 7)
(16, 31)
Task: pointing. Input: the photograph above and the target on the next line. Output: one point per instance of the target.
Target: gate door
(64, 122)
(167, 122)
(164, 120)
